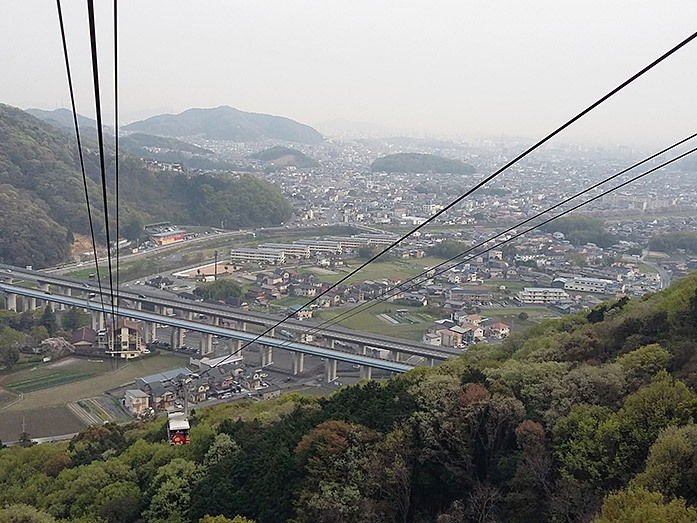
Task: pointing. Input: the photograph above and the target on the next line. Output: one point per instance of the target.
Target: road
(155, 251)
(253, 318)
(245, 337)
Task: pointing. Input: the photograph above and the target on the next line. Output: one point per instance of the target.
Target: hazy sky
(467, 68)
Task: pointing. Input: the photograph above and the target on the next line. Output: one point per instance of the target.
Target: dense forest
(588, 417)
(419, 163)
(580, 230)
(42, 196)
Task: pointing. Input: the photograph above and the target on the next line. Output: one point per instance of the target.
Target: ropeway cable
(510, 163)
(79, 150)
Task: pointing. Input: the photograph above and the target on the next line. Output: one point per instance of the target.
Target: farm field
(372, 320)
(47, 381)
(39, 423)
(647, 269)
(510, 316)
(102, 379)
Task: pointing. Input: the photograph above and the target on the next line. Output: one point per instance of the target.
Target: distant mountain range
(227, 123)
(282, 156)
(63, 118)
(419, 163)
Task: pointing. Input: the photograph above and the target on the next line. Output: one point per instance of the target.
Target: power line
(100, 137)
(352, 312)
(116, 136)
(486, 180)
(368, 305)
(79, 150)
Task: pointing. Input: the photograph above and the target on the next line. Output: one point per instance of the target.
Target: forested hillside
(590, 416)
(580, 230)
(42, 199)
(285, 156)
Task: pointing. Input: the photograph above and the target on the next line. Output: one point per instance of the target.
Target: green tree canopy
(638, 505)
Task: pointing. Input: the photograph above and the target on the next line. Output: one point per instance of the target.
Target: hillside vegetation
(227, 123)
(580, 230)
(284, 156)
(63, 118)
(590, 416)
(419, 163)
(42, 199)
(673, 241)
(172, 150)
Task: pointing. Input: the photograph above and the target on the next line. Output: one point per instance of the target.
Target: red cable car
(178, 428)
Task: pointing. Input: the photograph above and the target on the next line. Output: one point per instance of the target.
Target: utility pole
(215, 274)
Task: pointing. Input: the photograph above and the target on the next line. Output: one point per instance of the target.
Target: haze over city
(460, 69)
(338, 263)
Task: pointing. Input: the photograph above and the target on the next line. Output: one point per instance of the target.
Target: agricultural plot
(46, 382)
(410, 324)
(103, 378)
(39, 423)
(511, 316)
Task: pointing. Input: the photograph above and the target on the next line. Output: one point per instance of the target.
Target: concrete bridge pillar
(215, 320)
(428, 362)
(44, 288)
(298, 363)
(234, 345)
(189, 315)
(67, 291)
(206, 344)
(177, 338)
(266, 355)
(330, 343)
(97, 320)
(330, 370)
(11, 301)
(32, 303)
(151, 331)
(139, 305)
(365, 371)
(243, 326)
